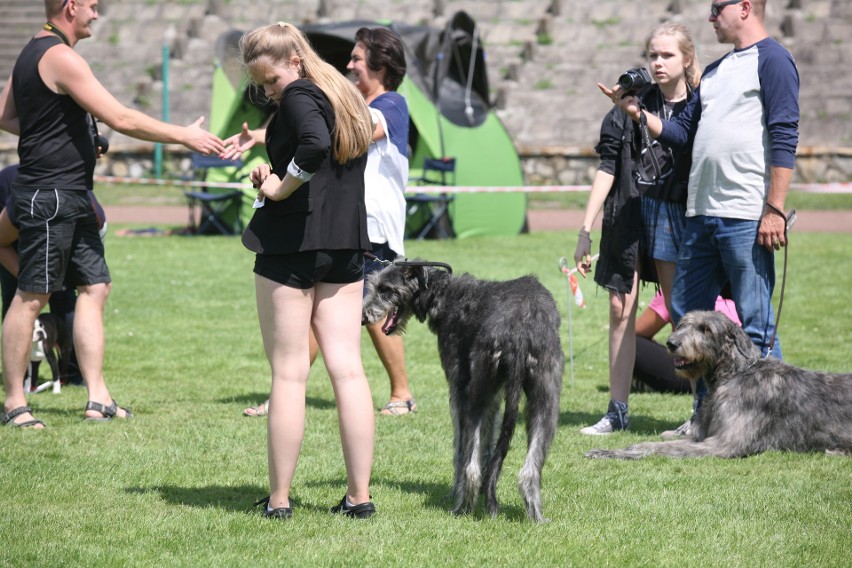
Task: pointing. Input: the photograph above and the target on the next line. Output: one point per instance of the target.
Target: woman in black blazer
(309, 231)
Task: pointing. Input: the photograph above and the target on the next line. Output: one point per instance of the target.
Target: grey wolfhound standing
(495, 340)
(755, 404)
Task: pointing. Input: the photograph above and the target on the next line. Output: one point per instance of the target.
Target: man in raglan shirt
(744, 127)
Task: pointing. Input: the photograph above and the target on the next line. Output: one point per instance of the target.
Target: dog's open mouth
(390, 323)
(681, 364)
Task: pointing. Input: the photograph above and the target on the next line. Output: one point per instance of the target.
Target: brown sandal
(8, 418)
(108, 412)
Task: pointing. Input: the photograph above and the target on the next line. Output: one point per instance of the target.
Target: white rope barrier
(837, 188)
(170, 182)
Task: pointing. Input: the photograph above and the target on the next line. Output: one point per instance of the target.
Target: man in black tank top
(47, 102)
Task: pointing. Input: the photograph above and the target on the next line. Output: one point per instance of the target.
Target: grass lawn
(128, 194)
(174, 486)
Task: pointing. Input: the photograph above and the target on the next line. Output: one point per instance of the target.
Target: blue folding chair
(433, 207)
(220, 212)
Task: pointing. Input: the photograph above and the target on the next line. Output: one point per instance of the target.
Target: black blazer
(325, 213)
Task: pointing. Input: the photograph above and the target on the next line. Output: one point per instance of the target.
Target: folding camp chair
(220, 212)
(434, 207)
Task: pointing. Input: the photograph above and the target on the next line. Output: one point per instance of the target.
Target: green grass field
(128, 195)
(174, 486)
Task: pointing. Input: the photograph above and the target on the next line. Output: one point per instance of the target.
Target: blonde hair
(692, 71)
(353, 128)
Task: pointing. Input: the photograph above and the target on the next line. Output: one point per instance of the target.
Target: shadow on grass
(255, 399)
(239, 498)
(639, 424)
(436, 496)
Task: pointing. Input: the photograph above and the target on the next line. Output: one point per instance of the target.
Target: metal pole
(158, 147)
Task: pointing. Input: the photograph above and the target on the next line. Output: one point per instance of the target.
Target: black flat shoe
(360, 511)
(279, 513)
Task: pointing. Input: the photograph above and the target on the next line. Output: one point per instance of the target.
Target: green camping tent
(446, 87)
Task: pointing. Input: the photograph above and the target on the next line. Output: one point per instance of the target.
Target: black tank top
(56, 145)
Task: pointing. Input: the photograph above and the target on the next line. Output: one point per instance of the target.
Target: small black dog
(51, 343)
(496, 340)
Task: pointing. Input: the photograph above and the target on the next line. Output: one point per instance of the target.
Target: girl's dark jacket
(622, 239)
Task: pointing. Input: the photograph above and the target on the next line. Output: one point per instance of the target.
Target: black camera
(102, 143)
(633, 81)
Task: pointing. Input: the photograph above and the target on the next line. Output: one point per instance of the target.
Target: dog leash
(407, 262)
(789, 221)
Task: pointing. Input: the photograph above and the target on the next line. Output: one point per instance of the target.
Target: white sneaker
(602, 428)
(615, 419)
(682, 431)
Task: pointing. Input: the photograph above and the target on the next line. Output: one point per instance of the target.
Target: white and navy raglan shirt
(743, 120)
(387, 172)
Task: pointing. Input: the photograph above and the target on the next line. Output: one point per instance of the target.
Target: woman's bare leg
(622, 341)
(337, 325)
(285, 315)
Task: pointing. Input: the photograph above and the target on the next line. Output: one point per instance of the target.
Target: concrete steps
(543, 56)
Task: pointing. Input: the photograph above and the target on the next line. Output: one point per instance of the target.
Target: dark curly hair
(384, 51)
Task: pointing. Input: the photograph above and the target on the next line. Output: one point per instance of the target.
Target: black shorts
(59, 242)
(304, 269)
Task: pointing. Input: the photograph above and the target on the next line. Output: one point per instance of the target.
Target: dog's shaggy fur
(755, 404)
(496, 339)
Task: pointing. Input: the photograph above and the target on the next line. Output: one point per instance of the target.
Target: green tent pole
(158, 147)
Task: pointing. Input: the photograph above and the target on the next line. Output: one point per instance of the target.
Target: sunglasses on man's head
(717, 7)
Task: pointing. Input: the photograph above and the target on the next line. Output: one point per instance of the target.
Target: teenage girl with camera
(642, 187)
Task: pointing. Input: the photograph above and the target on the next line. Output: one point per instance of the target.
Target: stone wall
(541, 166)
(544, 58)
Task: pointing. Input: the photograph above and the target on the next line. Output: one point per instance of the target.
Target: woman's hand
(238, 144)
(628, 103)
(259, 175)
(271, 188)
(583, 252)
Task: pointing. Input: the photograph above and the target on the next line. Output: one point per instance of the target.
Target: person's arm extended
(63, 69)
(242, 142)
(675, 133)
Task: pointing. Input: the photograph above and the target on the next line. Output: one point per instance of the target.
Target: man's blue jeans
(716, 250)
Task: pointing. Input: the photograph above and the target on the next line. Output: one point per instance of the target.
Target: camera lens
(634, 80)
(627, 81)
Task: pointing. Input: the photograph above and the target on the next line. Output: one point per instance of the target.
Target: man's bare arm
(66, 72)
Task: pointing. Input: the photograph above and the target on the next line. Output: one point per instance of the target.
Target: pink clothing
(727, 307)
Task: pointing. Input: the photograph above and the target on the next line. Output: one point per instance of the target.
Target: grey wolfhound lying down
(755, 404)
(495, 340)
